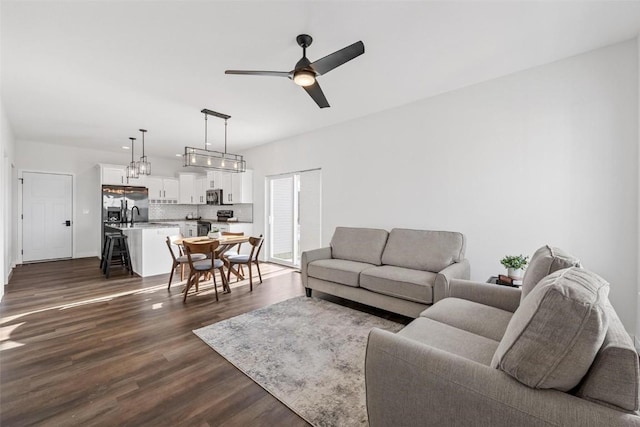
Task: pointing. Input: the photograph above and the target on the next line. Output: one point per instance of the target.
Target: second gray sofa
(404, 271)
(552, 354)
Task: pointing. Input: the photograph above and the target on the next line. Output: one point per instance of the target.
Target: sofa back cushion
(545, 261)
(423, 250)
(555, 334)
(614, 377)
(359, 244)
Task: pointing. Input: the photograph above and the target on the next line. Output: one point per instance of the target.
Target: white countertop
(141, 225)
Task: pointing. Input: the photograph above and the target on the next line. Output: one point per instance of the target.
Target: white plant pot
(515, 273)
(214, 235)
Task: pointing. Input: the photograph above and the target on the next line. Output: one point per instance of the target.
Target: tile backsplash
(159, 211)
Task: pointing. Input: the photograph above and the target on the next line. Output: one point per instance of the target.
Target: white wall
(7, 237)
(637, 340)
(544, 156)
(41, 157)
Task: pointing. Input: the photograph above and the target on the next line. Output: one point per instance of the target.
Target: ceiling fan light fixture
(304, 78)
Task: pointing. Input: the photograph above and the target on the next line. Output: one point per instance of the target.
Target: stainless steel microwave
(215, 197)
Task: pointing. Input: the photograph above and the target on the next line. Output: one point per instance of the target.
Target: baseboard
(91, 254)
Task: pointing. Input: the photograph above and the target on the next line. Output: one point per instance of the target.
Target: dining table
(226, 243)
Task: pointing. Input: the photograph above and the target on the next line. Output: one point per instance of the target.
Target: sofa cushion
(423, 249)
(405, 283)
(450, 339)
(614, 378)
(359, 244)
(479, 319)
(337, 270)
(553, 337)
(545, 261)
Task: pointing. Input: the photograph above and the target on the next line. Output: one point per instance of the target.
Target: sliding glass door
(294, 215)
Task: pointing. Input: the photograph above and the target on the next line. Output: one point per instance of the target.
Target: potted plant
(214, 233)
(514, 264)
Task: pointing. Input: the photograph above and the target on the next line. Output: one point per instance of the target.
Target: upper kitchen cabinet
(218, 180)
(241, 188)
(201, 190)
(162, 190)
(171, 189)
(214, 180)
(192, 189)
(113, 174)
(187, 188)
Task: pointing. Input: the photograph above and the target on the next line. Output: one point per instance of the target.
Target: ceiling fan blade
(316, 93)
(331, 61)
(260, 73)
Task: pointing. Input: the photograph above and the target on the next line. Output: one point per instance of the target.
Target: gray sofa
(404, 271)
(554, 353)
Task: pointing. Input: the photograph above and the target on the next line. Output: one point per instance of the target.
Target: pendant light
(143, 165)
(132, 169)
(211, 159)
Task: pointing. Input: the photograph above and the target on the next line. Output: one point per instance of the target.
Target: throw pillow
(555, 334)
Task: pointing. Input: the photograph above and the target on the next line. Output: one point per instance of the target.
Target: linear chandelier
(205, 158)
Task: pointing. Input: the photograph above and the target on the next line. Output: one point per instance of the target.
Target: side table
(494, 280)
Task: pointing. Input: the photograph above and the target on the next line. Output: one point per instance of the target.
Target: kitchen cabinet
(113, 175)
(191, 229)
(241, 188)
(187, 188)
(171, 189)
(236, 187)
(192, 189)
(219, 180)
(214, 180)
(162, 190)
(201, 190)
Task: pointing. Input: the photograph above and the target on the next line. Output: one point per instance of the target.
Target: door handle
(67, 223)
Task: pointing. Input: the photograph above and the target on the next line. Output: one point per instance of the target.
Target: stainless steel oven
(203, 228)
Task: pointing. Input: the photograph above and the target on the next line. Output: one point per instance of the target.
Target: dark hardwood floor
(78, 349)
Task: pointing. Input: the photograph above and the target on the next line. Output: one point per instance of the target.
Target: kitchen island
(147, 246)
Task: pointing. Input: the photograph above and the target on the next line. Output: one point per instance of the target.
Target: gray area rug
(308, 353)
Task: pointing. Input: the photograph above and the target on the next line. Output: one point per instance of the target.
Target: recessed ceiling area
(92, 73)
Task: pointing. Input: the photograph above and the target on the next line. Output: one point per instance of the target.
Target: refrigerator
(117, 204)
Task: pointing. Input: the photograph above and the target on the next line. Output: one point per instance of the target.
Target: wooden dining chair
(235, 251)
(206, 266)
(248, 260)
(179, 260)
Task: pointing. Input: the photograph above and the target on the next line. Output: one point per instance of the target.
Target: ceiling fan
(305, 72)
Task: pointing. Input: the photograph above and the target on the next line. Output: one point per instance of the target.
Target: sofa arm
(459, 270)
(502, 297)
(411, 384)
(310, 256)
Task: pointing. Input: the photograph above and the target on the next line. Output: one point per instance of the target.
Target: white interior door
(46, 207)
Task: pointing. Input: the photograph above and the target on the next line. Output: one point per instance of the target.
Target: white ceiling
(93, 73)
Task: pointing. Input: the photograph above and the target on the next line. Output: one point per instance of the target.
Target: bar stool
(118, 251)
(105, 248)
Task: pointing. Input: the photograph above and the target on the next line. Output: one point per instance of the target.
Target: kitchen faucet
(138, 210)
